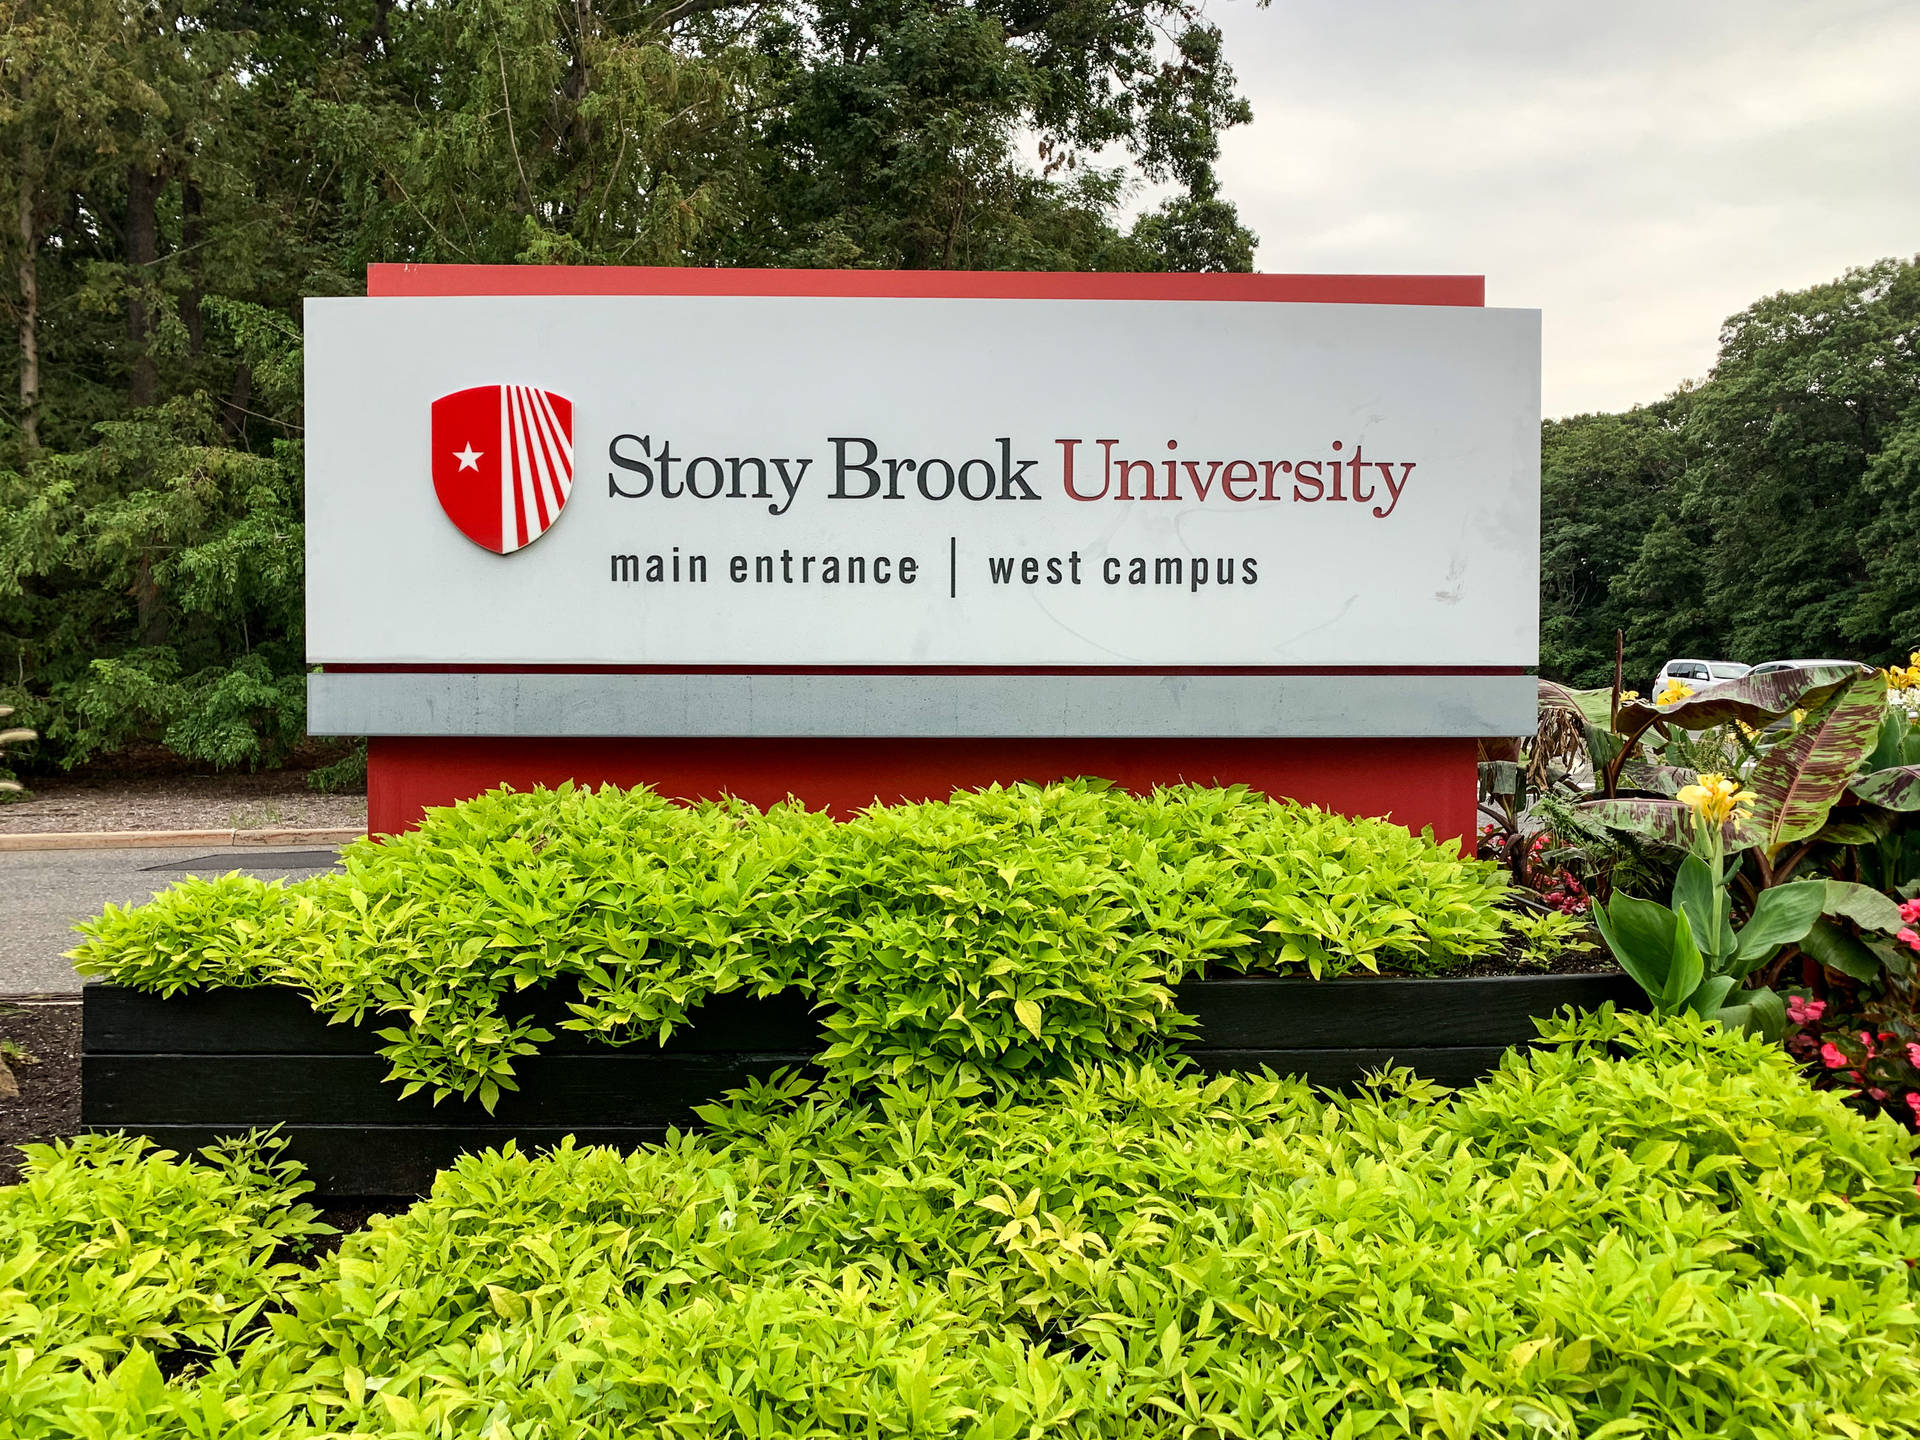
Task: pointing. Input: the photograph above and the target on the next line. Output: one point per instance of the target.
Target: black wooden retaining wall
(188, 1069)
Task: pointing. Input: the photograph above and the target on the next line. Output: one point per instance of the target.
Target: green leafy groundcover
(1018, 929)
(1644, 1228)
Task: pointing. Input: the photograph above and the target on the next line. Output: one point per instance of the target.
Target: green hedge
(1645, 1228)
(1011, 930)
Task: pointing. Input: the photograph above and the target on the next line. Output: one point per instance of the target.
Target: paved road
(43, 892)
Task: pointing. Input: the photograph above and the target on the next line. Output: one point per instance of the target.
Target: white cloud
(1636, 170)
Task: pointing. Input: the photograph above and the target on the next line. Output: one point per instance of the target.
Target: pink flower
(1913, 1057)
(1866, 1042)
(1909, 939)
(1802, 1011)
(1831, 1057)
(1913, 1103)
(1910, 912)
(1877, 1093)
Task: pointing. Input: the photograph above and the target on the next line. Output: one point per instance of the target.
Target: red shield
(503, 462)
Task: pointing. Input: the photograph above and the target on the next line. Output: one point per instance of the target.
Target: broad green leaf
(1642, 936)
(1781, 916)
(1712, 994)
(1889, 745)
(1686, 969)
(1863, 905)
(1797, 782)
(1771, 1010)
(1759, 1010)
(1834, 948)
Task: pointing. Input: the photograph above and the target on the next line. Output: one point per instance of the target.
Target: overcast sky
(1638, 171)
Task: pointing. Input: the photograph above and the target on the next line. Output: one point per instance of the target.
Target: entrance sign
(796, 481)
(847, 535)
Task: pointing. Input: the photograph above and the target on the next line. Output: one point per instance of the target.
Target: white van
(1696, 673)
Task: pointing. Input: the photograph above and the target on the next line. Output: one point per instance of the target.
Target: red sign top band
(396, 280)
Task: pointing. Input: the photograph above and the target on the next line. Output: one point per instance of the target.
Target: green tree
(1768, 512)
(1605, 482)
(184, 172)
(1809, 389)
(1889, 606)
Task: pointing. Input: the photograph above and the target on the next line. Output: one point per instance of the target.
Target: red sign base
(1416, 782)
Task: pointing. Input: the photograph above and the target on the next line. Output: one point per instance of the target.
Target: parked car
(1769, 666)
(1696, 673)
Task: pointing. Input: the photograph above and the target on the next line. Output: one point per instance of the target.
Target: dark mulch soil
(1593, 962)
(48, 1105)
(346, 1219)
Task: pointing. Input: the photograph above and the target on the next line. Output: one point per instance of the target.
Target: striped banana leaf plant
(1890, 778)
(1755, 700)
(1843, 777)
(1795, 785)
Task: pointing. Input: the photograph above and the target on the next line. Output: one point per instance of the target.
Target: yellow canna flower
(1715, 799)
(1673, 693)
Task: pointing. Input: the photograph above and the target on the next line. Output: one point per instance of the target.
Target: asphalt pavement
(44, 892)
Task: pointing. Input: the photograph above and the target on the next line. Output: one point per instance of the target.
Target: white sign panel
(782, 481)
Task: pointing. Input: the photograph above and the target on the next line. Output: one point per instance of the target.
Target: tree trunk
(573, 129)
(149, 610)
(579, 74)
(143, 250)
(29, 316)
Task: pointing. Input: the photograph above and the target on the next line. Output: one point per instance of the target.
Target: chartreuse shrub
(1646, 1228)
(110, 1247)
(1011, 930)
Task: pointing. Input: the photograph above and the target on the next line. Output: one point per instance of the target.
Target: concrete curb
(155, 839)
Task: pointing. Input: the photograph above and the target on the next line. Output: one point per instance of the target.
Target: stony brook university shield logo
(503, 462)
